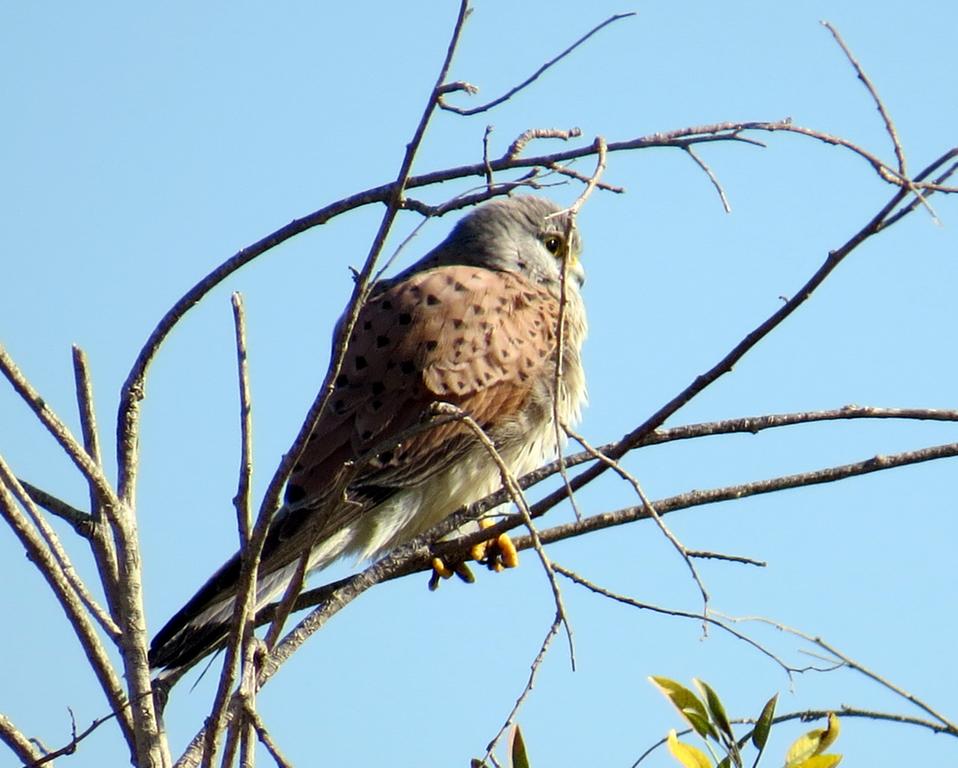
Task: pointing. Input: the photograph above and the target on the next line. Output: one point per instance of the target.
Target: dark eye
(553, 244)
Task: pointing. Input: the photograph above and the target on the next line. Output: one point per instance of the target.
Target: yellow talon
(441, 569)
(463, 572)
(497, 554)
(508, 554)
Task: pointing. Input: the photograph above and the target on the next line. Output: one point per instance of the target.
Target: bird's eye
(553, 244)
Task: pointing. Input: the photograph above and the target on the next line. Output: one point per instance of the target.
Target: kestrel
(474, 323)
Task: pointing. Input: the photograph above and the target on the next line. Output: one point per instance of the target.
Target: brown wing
(479, 339)
(473, 337)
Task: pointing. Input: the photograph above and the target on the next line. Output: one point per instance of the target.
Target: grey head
(525, 234)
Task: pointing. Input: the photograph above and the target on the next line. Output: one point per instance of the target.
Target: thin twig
(75, 740)
(708, 172)
(527, 689)
(60, 432)
(676, 613)
(129, 599)
(650, 507)
(267, 741)
(100, 534)
(285, 606)
(535, 75)
(600, 165)
(91, 442)
(134, 388)
(38, 552)
(244, 514)
(515, 149)
(63, 563)
(866, 81)
(244, 607)
(416, 556)
(712, 496)
(931, 188)
(81, 521)
(485, 155)
(727, 363)
(508, 481)
(853, 664)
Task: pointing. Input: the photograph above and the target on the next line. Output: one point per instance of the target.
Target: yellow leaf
(686, 754)
(821, 761)
(812, 743)
(831, 732)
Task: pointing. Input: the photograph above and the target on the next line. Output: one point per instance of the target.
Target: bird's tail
(202, 625)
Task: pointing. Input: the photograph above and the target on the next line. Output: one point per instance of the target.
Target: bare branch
(866, 81)
(416, 556)
(573, 174)
(244, 515)
(267, 741)
(601, 162)
(708, 172)
(931, 188)
(81, 521)
(726, 364)
(133, 389)
(515, 149)
(65, 592)
(849, 662)
(527, 689)
(19, 744)
(100, 534)
(709, 617)
(650, 508)
(75, 740)
(515, 493)
(61, 433)
(91, 442)
(241, 625)
(535, 75)
(727, 493)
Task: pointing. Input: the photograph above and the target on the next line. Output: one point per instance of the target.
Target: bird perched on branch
(475, 324)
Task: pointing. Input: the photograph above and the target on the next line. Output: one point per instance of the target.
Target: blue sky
(143, 146)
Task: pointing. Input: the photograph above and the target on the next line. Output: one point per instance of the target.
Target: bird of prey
(474, 323)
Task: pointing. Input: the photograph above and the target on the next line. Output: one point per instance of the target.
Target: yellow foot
(442, 571)
(496, 554)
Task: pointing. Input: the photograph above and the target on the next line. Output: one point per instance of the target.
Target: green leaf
(687, 703)
(821, 761)
(764, 723)
(686, 754)
(518, 751)
(812, 743)
(715, 707)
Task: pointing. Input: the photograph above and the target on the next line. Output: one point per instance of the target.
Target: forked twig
(683, 551)
(851, 663)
